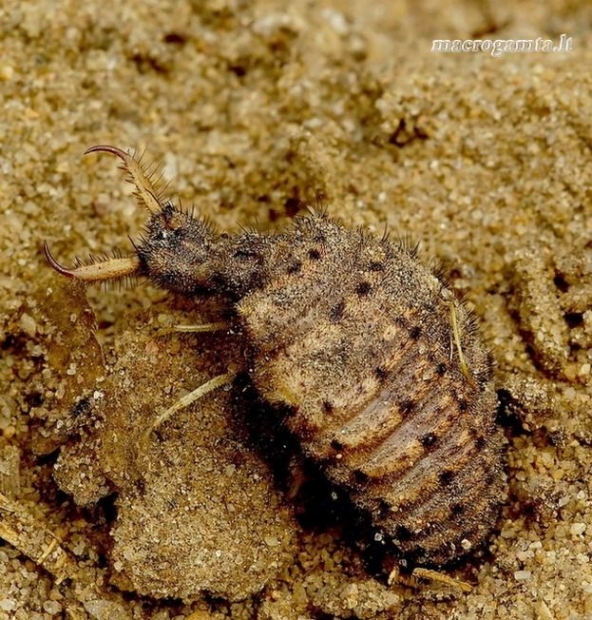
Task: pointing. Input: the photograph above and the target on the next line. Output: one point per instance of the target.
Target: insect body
(386, 383)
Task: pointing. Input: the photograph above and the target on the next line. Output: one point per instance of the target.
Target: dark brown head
(177, 252)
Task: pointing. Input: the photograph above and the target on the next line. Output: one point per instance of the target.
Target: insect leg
(456, 334)
(188, 399)
(428, 575)
(204, 327)
(438, 577)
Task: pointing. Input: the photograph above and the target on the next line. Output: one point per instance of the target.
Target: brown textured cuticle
(387, 382)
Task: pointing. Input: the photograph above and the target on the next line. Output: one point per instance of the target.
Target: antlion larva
(380, 367)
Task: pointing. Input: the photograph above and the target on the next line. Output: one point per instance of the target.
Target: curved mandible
(114, 267)
(99, 271)
(146, 192)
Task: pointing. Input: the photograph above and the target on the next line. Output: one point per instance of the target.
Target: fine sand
(253, 110)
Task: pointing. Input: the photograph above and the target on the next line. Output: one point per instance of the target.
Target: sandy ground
(252, 110)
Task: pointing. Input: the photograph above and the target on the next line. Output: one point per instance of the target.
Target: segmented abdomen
(369, 364)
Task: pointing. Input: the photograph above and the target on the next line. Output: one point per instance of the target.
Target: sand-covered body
(357, 338)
